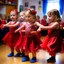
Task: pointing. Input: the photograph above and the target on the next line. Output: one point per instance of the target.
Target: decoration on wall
(21, 8)
(26, 4)
(39, 2)
(39, 8)
(33, 7)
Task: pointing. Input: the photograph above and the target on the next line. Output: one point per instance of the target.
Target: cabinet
(7, 6)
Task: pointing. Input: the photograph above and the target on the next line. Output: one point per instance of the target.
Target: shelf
(8, 4)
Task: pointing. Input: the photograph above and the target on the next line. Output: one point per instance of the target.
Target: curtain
(61, 3)
(44, 6)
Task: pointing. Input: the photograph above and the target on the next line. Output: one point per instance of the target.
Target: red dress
(2, 31)
(32, 42)
(3, 21)
(11, 38)
(52, 42)
(21, 39)
(43, 22)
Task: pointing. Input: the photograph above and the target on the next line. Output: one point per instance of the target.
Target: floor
(42, 56)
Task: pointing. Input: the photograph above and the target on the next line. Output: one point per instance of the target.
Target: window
(53, 4)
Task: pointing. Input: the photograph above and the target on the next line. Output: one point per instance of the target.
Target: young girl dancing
(21, 37)
(32, 42)
(52, 42)
(11, 38)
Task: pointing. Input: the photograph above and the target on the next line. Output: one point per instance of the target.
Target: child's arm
(19, 28)
(54, 25)
(5, 25)
(38, 25)
(13, 25)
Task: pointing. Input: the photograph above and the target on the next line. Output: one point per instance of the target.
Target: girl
(32, 42)
(38, 18)
(4, 21)
(4, 31)
(52, 41)
(11, 37)
(21, 37)
(44, 22)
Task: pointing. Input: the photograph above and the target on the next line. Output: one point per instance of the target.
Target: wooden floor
(42, 56)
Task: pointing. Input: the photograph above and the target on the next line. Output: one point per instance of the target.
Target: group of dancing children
(24, 35)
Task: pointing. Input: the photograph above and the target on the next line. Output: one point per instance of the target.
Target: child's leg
(33, 58)
(19, 53)
(26, 57)
(12, 53)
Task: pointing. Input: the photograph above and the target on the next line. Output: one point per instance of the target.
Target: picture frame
(26, 4)
(33, 6)
(21, 8)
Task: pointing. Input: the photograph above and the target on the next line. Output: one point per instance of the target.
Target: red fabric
(11, 0)
(43, 22)
(21, 40)
(31, 44)
(38, 21)
(3, 22)
(52, 42)
(11, 38)
(62, 24)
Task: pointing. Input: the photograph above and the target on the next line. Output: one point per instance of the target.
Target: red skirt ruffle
(52, 44)
(20, 41)
(11, 39)
(31, 44)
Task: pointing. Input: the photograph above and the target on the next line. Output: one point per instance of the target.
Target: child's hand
(16, 31)
(39, 29)
(33, 32)
(2, 26)
(23, 31)
(37, 24)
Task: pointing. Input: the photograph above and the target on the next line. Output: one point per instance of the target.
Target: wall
(32, 3)
(38, 7)
(20, 2)
(2, 9)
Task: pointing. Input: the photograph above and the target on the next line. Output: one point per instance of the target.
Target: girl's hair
(56, 13)
(14, 11)
(38, 17)
(45, 16)
(23, 12)
(32, 12)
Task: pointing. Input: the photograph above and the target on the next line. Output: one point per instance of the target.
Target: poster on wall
(39, 2)
(21, 8)
(39, 8)
(26, 4)
(33, 7)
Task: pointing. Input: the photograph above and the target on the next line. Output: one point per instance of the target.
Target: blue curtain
(61, 3)
(44, 6)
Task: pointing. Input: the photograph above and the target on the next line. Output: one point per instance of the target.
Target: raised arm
(13, 25)
(54, 25)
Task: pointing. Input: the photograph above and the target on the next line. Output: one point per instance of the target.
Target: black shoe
(51, 59)
(17, 55)
(22, 54)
